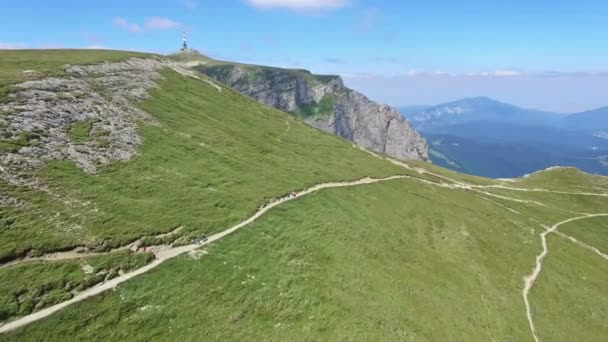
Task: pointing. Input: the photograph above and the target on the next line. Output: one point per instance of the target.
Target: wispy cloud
(158, 23)
(552, 91)
(124, 23)
(369, 20)
(151, 24)
(386, 60)
(504, 73)
(299, 5)
(191, 4)
(334, 60)
(92, 39)
(12, 46)
(497, 73)
(51, 46)
(501, 73)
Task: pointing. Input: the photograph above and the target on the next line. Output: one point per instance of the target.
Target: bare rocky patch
(38, 123)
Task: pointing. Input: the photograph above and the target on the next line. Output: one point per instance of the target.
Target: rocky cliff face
(325, 103)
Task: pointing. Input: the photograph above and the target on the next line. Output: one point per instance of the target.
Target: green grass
(50, 62)
(391, 261)
(570, 299)
(573, 202)
(79, 131)
(324, 108)
(212, 160)
(566, 179)
(461, 177)
(21, 140)
(593, 231)
(224, 68)
(35, 285)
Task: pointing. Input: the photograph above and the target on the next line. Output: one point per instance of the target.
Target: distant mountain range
(486, 137)
(486, 109)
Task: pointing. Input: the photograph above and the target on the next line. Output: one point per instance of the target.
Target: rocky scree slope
(36, 122)
(325, 103)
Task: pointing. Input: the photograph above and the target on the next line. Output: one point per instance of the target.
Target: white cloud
(51, 46)
(299, 5)
(124, 23)
(439, 73)
(191, 4)
(497, 73)
(560, 91)
(12, 46)
(369, 20)
(158, 23)
(151, 24)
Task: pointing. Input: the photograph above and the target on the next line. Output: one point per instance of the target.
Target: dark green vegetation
(23, 140)
(79, 131)
(513, 159)
(570, 299)
(324, 108)
(494, 139)
(35, 285)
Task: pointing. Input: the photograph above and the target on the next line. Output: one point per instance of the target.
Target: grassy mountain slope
(213, 159)
(422, 258)
(397, 260)
(570, 298)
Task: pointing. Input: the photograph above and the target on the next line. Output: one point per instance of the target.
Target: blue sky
(536, 53)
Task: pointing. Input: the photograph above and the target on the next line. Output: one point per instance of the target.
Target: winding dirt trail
(58, 256)
(76, 253)
(540, 190)
(169, 253)
(531, 278)
(583, 244)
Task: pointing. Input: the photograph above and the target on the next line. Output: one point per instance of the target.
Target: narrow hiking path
(531, 278)
(583, 244)
(78, 253)
(541, 190)
(164, 254)
(468, 186)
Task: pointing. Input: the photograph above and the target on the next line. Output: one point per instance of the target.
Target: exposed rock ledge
(329, 106)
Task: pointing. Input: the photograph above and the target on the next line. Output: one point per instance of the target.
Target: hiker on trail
(143, 248)
(204, 237)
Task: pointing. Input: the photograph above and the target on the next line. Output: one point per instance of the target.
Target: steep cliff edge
(326, 103)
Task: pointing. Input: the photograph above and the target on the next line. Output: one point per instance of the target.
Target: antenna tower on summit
(184, 43)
